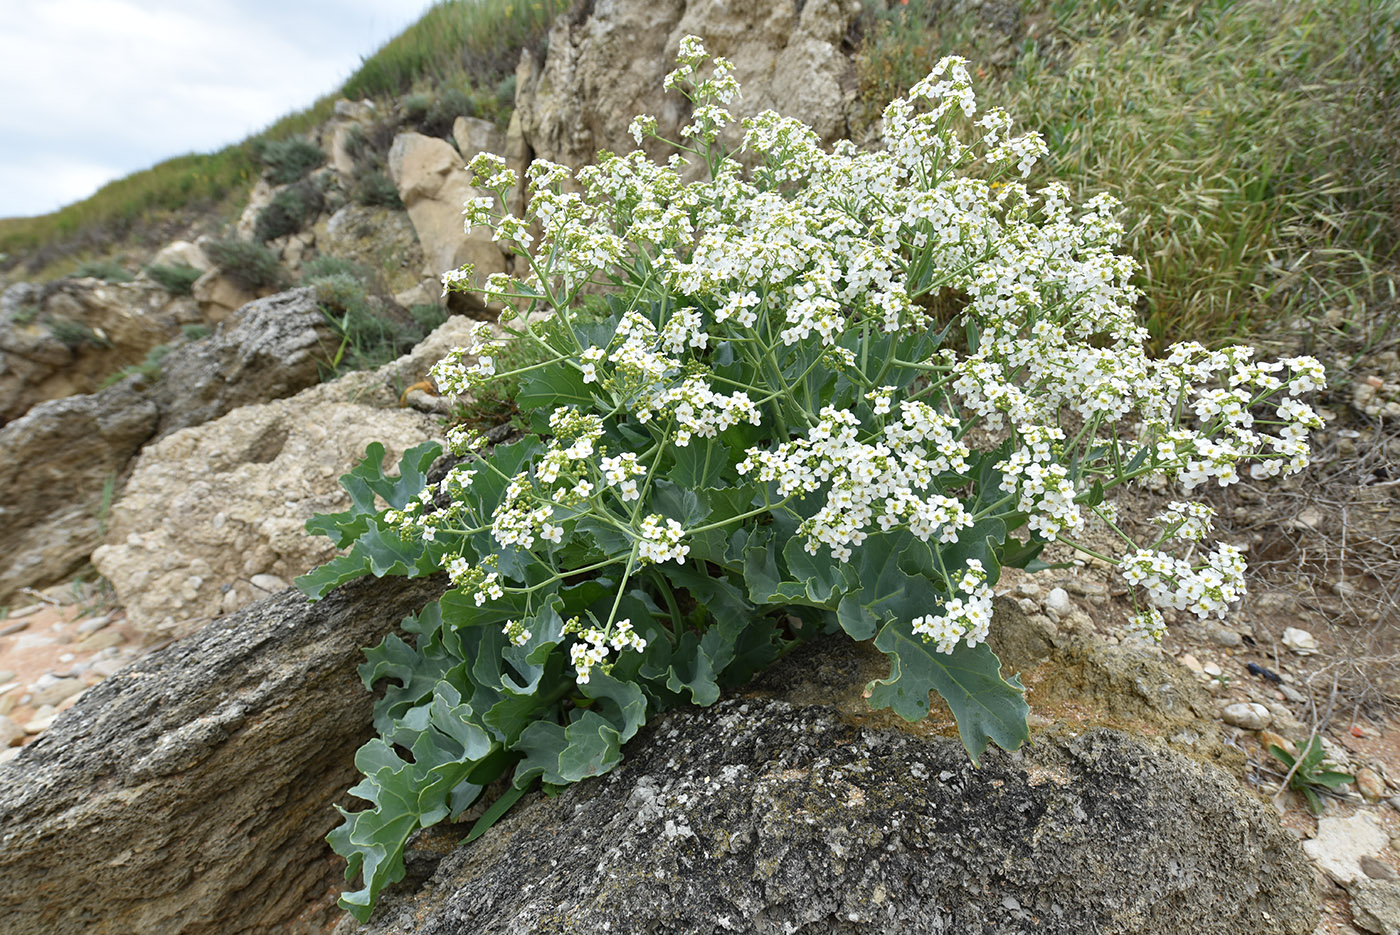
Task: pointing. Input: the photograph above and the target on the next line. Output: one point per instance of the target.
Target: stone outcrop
(54, 463)
(69, 336)
(214, 515)
(212, 511)
(59, 460)
(380, 239)
(182, 253)
(759, 816)
(433, 186)
(603, 69)
(191, 792)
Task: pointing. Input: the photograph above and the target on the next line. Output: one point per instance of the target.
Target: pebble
(1224, 636)
(6, 676)
(93, 624)
(1212, 669)
(9, 754)
(1268, 738)
(10, 732)
(1247, 715)
(1058, 601)
(26, 611)
(1027, 589)
(33, 640)
(270, 584)
(1027, 606)
(55, 691)
(1192, 663)
(108, 667)
(9, 686)
(1300, 641)
(103, 639)
(1292, 694)
(43, 719)
(1370, 784)
(1377, 869)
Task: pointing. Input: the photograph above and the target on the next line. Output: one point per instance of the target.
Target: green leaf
(700, 464)
(321, 581)
(986, 706)
(553, 386)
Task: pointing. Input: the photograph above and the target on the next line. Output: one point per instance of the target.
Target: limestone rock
(1342, 842)
(106, 326)
(191, 792)
(59, 458)
(474, 135)
(272, 348)
(433, 186)
(602, 70)
(758, 816)
(182, 253)
(260, 197)
(1375, 905)
(218, 295)
(209, 507)
(54, 462)
(378, 238)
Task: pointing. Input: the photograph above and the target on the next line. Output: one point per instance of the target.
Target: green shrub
(26, 313)
(374, 189)
(195, 332)
(178, 279)
(325, 266)
(429, 316)
(372, 331)
(289, 211)
(75, 335)
(251, 266)
(414, 108)
(110, 270)
(289, 161)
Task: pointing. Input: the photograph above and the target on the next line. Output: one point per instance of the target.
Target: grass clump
(289, 211)
(289, 161)
(75, 335)
(250, 266)
(1252, 145)
(374, 189)
(107, 270)
(195, 332)
(372, 330)
(177, 279)
(148, 370)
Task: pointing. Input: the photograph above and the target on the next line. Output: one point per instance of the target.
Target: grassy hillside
(468, 47)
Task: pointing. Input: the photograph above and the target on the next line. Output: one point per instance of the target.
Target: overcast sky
(91, 90)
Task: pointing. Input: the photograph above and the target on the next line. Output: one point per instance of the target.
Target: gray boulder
(191, 792)
(762, 815)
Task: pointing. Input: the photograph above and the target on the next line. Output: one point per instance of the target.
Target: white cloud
(123, 84)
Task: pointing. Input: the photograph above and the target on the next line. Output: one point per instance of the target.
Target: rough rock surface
(603, 69)
(272, 348)
(210, 507)
(56, 461)
(182, 253)
(123, 321)
(380, 239)
(191, 792)
(758, 816)
(433, 186)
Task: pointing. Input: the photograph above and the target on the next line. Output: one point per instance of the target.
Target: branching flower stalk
(770, 424)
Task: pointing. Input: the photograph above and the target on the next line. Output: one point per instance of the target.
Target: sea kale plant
(820, 392)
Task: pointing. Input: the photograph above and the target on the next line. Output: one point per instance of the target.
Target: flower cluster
(966, 617)
(591, 650)
(1204, 589)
